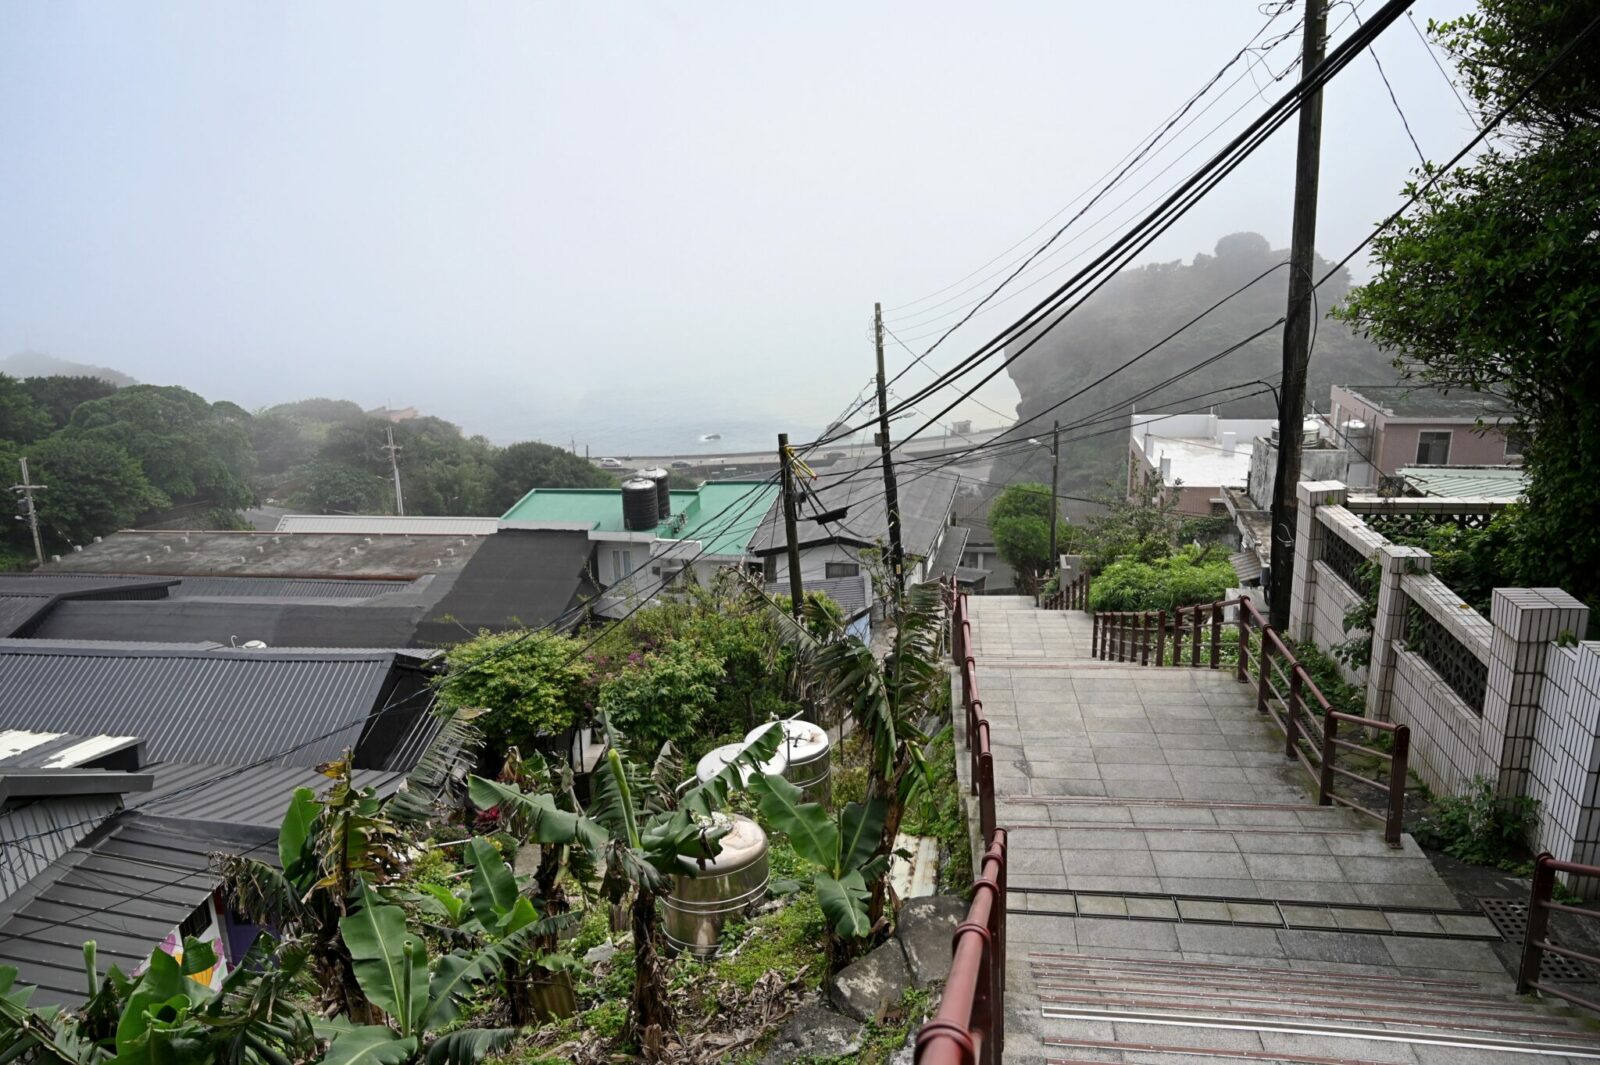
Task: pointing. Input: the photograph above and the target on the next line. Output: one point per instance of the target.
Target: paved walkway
(1174, 888)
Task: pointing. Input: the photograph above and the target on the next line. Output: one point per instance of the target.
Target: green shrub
(1479, 827)
(664, 696)
(532, 685)
(1177, 580)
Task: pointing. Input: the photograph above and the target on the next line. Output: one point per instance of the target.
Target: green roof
(1467, 482)
(721, 514)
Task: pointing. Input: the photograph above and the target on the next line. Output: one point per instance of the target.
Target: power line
(1427, 46)
(1396, 101)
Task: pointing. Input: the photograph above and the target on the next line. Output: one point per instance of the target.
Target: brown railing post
(1216, 635)
(1177, 635)
(1086, 589)
(986, 813)
(1122, 636)
(1291, 714)
(1264, 671)
(1194, 649)
(1094, 637)
(1244, 640)
(1544, 882)
(1144, 638)
(1399, 764)
(1161, 637)
(1330, 747)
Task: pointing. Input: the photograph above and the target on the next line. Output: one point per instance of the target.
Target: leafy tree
(188, 448)
(1020, 521)
(531, 464)
(280, 442)
(22, 419)
(665, 696)
(533, 685)
(1143, 529)
(324, 411)
(95, 487)
(336, 488)
(1494, 284)
(442, 471)
(60, 396)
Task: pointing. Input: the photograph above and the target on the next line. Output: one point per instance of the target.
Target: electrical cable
(1427, 46)
(1396, 101)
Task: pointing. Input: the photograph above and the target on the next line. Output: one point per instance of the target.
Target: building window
(1433, 449)
(621, 565)
(769, 569)
(842, 569)
(1516, 443)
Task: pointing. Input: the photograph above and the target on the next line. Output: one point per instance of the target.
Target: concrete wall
(1397, 445)
(1565, 773)
(1334, 600)
(1445, 752)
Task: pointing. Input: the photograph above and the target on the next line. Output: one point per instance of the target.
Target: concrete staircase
(1176, 897)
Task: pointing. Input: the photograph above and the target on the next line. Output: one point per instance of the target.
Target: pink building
(1390, 426)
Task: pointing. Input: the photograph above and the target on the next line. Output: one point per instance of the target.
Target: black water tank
(641, 506)
(663, 491)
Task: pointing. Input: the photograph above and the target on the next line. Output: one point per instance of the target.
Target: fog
(622, 224)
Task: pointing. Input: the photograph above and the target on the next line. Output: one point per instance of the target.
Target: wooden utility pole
(1298, 323)
(394, 464)
(1055, 466)
(786, 473)
(30, 510)
(891, 494)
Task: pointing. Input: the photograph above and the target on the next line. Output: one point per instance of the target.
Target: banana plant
(495, 913)
(638, 834)
(391, 965)
(842, 849)
(327, 848)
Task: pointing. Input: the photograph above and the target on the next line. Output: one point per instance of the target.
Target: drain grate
(1510, 916)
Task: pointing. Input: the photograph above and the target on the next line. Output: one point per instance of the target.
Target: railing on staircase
(1537, 941)
(1285, 692)
(969, 1028)
(1074, 595)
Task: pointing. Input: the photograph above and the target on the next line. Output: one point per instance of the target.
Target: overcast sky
(612, 220)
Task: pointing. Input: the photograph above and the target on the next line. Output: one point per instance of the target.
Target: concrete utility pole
(891, 493)
(394, 464)
(31, 512)
(1055, 466)
(786, 473)
(1298, 324)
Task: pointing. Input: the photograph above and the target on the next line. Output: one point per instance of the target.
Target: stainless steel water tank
(810, 756)
(706, 895)
(719, 758)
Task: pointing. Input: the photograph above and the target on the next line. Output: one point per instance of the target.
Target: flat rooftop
(723, 515)
(178, 553)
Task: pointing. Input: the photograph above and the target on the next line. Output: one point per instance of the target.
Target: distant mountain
(38, 364)
(1135, 311)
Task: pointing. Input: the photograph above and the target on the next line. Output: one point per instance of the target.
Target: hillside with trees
(115, 456)
(1134, 312)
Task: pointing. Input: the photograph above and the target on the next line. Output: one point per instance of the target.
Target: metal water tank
(641, 508)
(663, 490)
(708, 893)
(810, 756)
(718, 759)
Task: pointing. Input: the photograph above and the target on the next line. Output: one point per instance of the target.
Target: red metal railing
(1536, 941)
(969, 1028)
(1074, 595)
(1285, 692)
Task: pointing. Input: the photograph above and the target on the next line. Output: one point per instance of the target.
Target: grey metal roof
(201, 704)
(282, 588)
(125, 890)
(1421, 401)
(925, 503)
(517, 578)
(350, 623)
(35, 834)
(388, 525)
(948, 558)
(26, 749)
(16, 611)
(332, 556)
(27, 598)
(252, 795)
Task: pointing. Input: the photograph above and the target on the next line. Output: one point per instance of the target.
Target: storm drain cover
(1510, 916)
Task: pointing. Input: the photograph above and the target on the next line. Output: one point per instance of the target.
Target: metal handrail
(969, 1028)
(1074, 595)
(1294, 703)
(1536, 942)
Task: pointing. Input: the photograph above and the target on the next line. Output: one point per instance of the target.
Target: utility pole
(394, 464)
(796, 592)
(891, 494)
(1055, 465)
(1298, 323)
(31, 512)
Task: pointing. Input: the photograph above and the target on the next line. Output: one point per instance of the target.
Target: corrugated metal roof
(126, 891)
(36, 834)
(254, 795)
(1247, 564)
(282, 588)
(382, 525)
(25, 598)
(520, 578)
(202, 705)
(25, 749)
(1467, 482)
(925, 504)
(851, 593)
(16, 611)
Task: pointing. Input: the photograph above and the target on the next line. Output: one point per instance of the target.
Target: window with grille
(843, 569)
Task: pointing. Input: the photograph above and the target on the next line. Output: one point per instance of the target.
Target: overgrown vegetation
(1185, 578)
(1479, 827)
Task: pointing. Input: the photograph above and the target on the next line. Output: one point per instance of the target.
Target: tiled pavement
(1146, 807)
